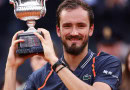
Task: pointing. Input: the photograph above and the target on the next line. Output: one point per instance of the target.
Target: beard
(73, 49)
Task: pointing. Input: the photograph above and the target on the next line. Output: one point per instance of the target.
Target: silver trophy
(29, 10)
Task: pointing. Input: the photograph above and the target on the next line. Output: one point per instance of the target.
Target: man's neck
(74, 60)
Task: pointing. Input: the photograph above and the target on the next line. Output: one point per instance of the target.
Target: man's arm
(74, 83)
(10, 79)
(13, 62)
(69, 79)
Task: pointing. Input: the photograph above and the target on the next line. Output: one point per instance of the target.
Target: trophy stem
(31, 24)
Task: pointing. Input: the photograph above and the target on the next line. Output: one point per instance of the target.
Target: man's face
(74, 30)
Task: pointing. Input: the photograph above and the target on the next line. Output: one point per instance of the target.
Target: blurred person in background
(37, 62)
(113, 3)
(112, 24)
(113, 13)
(111, 42)
(91, 2)
(126, 74)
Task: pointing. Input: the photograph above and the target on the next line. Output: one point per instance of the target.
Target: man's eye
(67, 26)
(81, 25)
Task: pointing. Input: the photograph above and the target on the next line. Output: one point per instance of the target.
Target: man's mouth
(74, 38)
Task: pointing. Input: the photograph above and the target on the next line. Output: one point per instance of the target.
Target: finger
(39, 36)
(16, 34)
(45, 33)
(14, 45)
(16, 42)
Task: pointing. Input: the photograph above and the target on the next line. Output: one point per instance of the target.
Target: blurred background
(112, 30)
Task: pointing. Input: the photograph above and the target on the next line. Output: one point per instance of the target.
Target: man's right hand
(14, 60)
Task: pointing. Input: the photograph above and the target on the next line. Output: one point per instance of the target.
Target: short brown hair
(73, 4)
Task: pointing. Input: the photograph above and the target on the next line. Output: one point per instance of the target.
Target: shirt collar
(84, 62)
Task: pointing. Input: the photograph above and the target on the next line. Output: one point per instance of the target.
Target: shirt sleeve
(36, 79)
(30, 83)
(109, 72)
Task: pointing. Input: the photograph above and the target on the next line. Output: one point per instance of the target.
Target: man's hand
(49, 53)
(14, 60)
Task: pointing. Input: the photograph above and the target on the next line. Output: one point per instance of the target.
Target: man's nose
(74, 31)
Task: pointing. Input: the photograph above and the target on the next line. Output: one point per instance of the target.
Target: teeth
(75, 39)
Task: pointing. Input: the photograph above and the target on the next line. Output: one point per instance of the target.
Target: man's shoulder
(108, 70)
(107, 60)
(105, 57)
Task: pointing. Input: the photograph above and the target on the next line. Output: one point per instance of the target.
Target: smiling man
(75, 30)
(79, 68)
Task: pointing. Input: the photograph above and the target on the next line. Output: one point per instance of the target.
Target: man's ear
(91, 30)
(58, 30)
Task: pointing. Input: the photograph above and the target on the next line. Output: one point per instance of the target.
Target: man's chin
(73, 50)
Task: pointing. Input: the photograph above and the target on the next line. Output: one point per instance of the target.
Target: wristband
(60, 69)
(57, 64)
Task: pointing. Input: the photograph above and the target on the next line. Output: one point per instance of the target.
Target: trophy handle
(15, 4)
(11, 1)
(43, 11)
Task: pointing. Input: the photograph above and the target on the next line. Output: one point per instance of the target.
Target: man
(79, 68)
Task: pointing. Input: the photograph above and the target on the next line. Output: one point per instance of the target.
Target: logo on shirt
(86, 77)
(111, 74)
(107, 72)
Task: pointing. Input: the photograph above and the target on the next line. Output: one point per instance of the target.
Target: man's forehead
(78, 10)
(73, 9)
(74, 15)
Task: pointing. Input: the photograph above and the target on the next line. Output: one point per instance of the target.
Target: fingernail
(21, 39)
(22, 31)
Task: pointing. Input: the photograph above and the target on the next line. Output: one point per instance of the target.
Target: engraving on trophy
(29, 10)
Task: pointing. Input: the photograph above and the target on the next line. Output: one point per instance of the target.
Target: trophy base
(30, 45)
(30, 50)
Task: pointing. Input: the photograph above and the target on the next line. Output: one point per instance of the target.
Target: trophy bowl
(29, 10)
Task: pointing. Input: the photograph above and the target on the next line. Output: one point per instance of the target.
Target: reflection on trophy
(29, 10)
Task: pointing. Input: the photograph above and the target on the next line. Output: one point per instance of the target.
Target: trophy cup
(29, 10)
